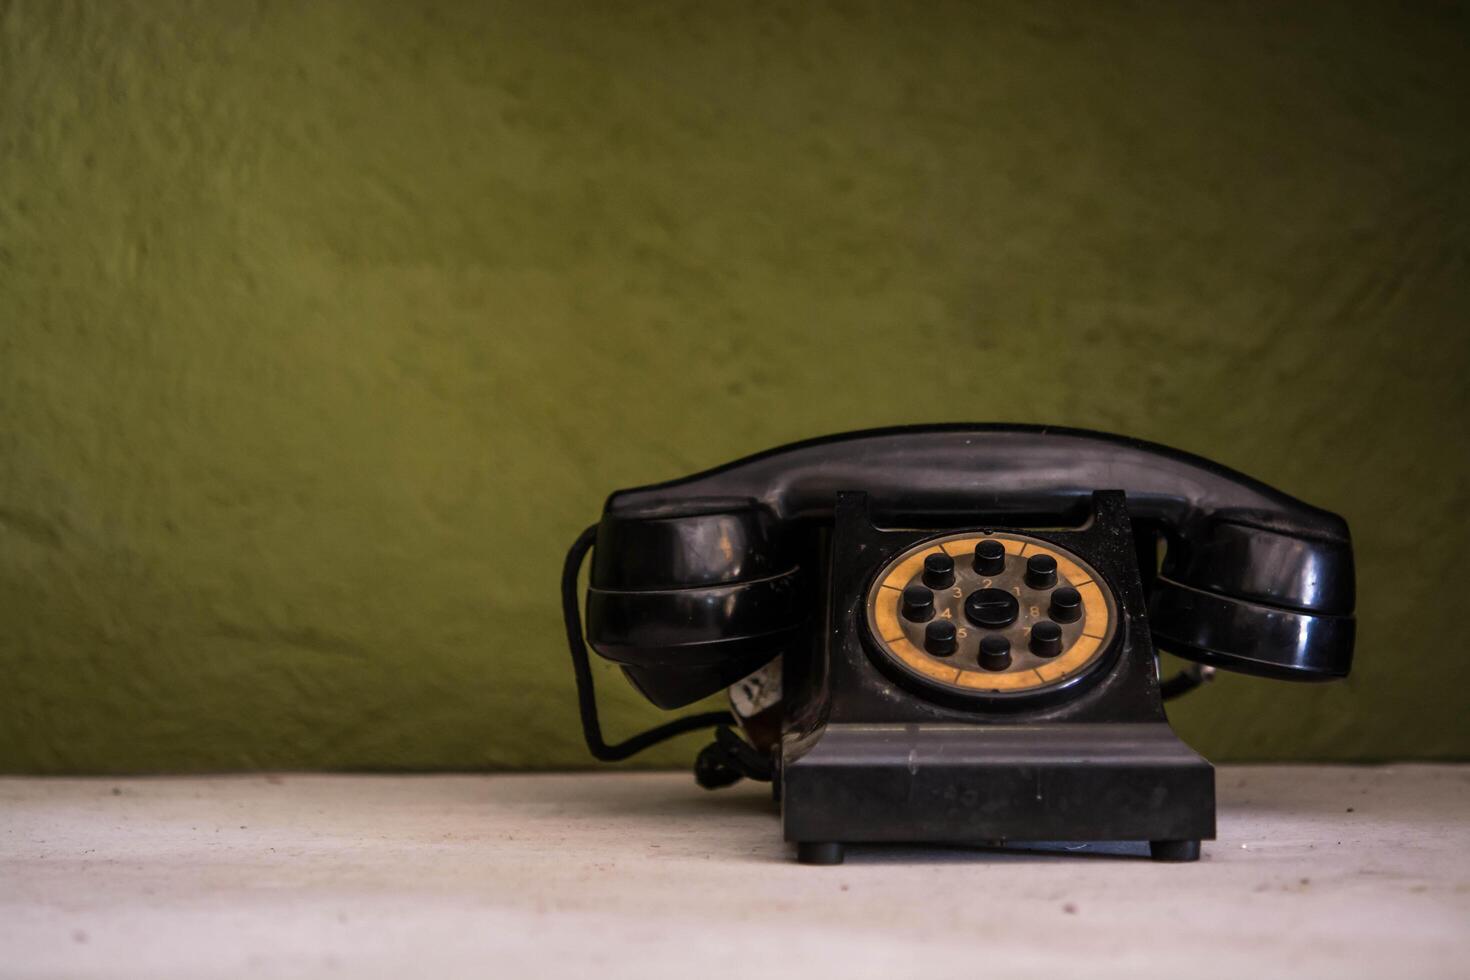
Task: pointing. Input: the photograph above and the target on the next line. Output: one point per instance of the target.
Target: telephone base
(947, 783)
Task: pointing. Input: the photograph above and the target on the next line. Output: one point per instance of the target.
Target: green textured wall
(324, 328)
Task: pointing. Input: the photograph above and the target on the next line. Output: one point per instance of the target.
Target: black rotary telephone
(948, 633)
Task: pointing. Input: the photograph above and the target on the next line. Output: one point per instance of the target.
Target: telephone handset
(956, 610)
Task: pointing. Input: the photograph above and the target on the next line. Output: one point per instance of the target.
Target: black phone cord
(728, 759)
(1188, 679)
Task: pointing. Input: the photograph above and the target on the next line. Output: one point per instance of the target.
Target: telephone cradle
(950, 634)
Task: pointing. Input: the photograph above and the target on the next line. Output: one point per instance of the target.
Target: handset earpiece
(690, 596)
(1243, 593)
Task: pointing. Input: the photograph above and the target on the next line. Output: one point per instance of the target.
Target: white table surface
(1332, 872)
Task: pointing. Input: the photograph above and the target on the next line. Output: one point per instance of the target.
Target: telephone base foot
(1174, 850)
(818, 852)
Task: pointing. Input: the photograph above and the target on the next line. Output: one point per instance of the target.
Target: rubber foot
(808, 852)
(1174, 850)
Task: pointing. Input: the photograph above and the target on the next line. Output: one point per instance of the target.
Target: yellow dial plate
(901, 637)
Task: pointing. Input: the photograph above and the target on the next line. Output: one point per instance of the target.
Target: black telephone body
(949, 633)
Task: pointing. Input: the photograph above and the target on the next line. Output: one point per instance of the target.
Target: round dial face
(991, 615)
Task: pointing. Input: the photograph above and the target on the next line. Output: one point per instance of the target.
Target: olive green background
(325, 327)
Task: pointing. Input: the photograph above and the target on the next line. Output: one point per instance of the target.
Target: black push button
(939, 638)
(1066, 605)
(1041, 571)
(918, 604)
(991, 608)
(990, 557)
(939, 571)
(1046, 639)
(995, 652)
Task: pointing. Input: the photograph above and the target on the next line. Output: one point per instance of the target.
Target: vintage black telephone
(948, 633)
